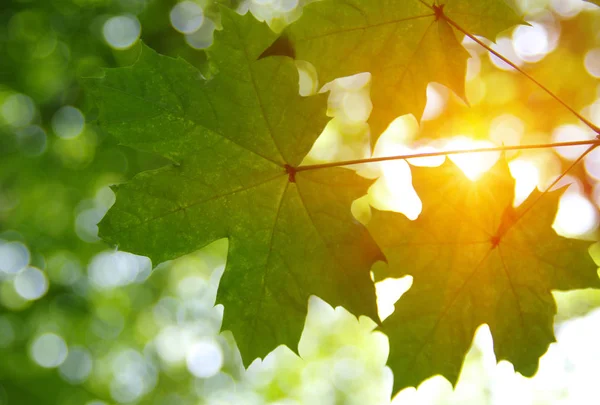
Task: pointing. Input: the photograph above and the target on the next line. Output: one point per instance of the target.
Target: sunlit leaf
(475, 260)
(233, 140)
(405, 45)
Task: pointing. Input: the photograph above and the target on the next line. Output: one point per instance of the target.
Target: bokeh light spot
(394, 191)
(49, 350)
(592, 62)
(567, 8)
(186, 17)
(308, 79)
(437, 97)
(504, 46)
(285, 6)
(592, 163)
(172, 344)
(18, 110)
(202, 38)
(32, 140)
(31, 283)
(473, 165)
(68, 122)
(111, 269)
(569, 133)
(526, 176)
(14, 256)
(121, 32)
(78, 365)
(576, 215)
(531, 42)
(204, 359)
(133, 376)
(507, 130)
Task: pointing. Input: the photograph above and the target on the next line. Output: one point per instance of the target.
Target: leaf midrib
(261, 106)
(198, 202)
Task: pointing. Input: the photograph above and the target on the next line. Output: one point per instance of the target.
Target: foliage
(237, 147)
(497, 267)
(230, 139)
(225, 147)
(404, 47)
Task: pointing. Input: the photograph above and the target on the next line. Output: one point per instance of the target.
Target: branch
(593, 142)
(551, 186)
(587, 122)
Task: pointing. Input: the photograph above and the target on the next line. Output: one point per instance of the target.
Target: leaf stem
(593, 142)
(587, 122)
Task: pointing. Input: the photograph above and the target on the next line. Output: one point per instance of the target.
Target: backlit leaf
(405, 45)
(233, 140)
(474, 263)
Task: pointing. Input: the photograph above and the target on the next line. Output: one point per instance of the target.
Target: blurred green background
(82, 323)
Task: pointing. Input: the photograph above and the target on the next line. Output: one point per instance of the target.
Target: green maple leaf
(234, 141)
(404, 44)
(474, 263)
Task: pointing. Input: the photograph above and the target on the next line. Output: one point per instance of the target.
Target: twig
(593, 142)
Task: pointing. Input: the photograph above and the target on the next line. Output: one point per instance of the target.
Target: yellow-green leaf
(404, 44)
(475, 260)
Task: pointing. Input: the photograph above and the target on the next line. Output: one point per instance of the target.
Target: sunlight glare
(526, 176)
(437, 96)
(576, 215)
(533, 42)
(505, 47)
(507, 130)
(568, 133)
(473, 165)
(432, 161)
(473, 67)
(308, 80)
(392, 142)
(567, 8)
(349, 98)
(592, 164)
(389, 291)
(393, 191)
(402, 130)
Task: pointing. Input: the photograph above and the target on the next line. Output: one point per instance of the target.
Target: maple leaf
(235, 140)
(596, 2)
(475, 260)
(405, 45)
